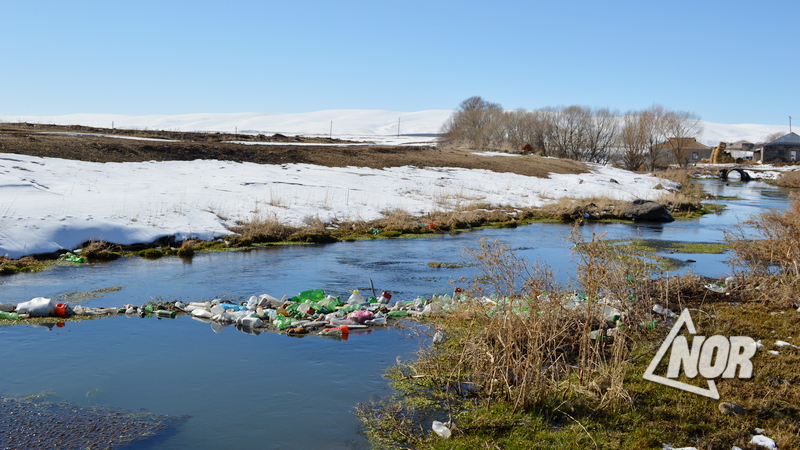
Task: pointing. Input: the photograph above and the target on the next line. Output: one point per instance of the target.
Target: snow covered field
(49, 204)
(368, 124)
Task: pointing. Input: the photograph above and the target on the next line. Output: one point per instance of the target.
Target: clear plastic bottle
(355, 298)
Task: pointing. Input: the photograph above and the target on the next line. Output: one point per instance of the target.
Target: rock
(731, 409)
(647, 211)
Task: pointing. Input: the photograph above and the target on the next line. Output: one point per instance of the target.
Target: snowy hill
(338, 122)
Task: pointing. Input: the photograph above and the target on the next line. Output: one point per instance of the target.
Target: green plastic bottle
(401, 313)
(9, 315)
(311, 294)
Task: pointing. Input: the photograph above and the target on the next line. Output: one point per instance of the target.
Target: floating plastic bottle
(252, 322)
(355, 298)
(337, 331)
(202, 313)
(9, 315)
(311, 294)
(165, 314)
(282, 322)
(381, 320)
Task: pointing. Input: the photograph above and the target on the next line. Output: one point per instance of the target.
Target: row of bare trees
(648, 138)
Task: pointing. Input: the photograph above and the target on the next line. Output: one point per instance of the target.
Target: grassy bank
(529, 364)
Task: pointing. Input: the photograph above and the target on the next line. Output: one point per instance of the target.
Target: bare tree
(682, 129)
(532, 128)
(633, 140)
(475, 124)
(655, 133)
(602, 129)
(570, 130)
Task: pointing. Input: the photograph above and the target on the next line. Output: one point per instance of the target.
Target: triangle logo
(649, 374)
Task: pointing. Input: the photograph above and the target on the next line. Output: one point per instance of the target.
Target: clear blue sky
(727, 61)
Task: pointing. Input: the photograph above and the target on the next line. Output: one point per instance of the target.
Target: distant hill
(337, 122)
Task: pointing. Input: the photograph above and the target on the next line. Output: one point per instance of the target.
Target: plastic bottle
(381, 320)
(401, 313)
(9, 315)
(658, 309)
(253, 322)
(338, 331)
(252, 303)
(271, 314)
(441, 429)
(311, 294)
(355, 298)
(385, 297)
(204, 313)
(165, 314)
(282, 322)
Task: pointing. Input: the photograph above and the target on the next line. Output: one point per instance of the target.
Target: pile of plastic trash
(311, 311)
(315, 312)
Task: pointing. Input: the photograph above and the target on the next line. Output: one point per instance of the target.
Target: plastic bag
(37, 307)
(360, 316)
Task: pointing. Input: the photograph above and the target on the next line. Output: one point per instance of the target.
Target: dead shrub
(789, 179)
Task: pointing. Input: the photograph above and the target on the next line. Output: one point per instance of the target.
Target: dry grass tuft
(569, 209)
(789, 179)
(261, 229)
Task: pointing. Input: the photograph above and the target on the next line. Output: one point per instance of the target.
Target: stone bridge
(744, 176)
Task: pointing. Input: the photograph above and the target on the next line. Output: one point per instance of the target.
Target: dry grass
(570, 209)
(769, 262)
(789, 179)
(534, 342)
(682, 176)
(679, 201)
(260, 229)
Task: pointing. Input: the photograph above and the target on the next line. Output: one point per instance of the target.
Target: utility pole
(331, 132)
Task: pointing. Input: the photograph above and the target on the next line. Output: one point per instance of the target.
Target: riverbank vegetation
(528, 363)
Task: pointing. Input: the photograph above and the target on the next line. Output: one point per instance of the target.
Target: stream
(270, 390)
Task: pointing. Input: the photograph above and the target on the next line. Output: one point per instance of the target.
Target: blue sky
(730, 62)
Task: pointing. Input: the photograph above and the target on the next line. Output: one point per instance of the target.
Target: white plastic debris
(763, 441)
(716, 288)
(785, 344)
(773, 352)
(441, 429)
(658, 309)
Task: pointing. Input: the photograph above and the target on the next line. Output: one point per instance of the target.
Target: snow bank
(48, 204)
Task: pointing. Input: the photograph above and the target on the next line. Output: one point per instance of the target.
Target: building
(784, 149)
(688, 150)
